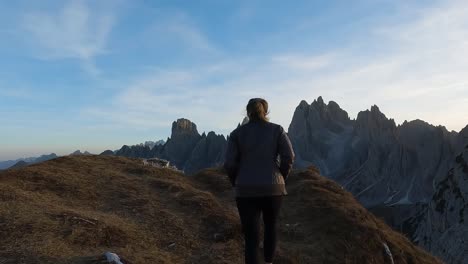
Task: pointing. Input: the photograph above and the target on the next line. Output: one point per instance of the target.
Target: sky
(95, 75)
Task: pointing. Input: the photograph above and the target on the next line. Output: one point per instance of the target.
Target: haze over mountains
(21, 162)
(30, 160)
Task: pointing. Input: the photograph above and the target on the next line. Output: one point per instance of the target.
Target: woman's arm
(232, 157)
(286, 153)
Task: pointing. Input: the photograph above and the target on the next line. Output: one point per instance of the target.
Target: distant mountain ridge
(400, 171)
(18, 163)
(30, 160)
(78, 152)
(185, 148)
(378, 161)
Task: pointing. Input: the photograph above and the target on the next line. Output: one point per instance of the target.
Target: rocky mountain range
(185, 148)
(378, 161)
(25, 161)
(412, 174)
(394, 170)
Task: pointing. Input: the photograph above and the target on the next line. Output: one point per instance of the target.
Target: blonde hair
(257, 109)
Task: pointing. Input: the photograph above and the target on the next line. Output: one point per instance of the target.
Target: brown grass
(72, 209)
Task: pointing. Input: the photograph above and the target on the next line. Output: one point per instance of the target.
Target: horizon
(93, 75)
(96, 151)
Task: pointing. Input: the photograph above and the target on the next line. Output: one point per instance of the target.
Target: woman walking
(258, 160)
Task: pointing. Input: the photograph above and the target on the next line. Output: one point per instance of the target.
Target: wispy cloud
(157, 98)
(181, 30)
(74, 32)
(304, 62)
(418, 71)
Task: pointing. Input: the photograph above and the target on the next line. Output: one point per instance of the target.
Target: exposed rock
(390, 168)
(462, 139)
(318, 133)
(136, 151)
(401, 217)
(209, 152)
(186, 148)
(443, 229)
(112, 258)
(184, 138)
(379, 162)
(152, 144)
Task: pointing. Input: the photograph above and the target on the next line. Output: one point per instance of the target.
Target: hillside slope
(72, 209)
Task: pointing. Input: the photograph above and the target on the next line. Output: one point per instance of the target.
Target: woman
(258, 176)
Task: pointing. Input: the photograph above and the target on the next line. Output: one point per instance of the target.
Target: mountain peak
(303, 104)
(211, 134)
(319, 103)
(77, 152)
(320, 100)
(416, 124)
(183, 126)
(374, 120)
(375, 109)
(464, 131)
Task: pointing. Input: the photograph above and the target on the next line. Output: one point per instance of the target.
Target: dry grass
(322, 223)
(72, 209)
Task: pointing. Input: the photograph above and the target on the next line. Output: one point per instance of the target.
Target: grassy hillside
(72, 209)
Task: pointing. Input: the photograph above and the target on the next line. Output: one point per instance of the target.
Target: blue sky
(94, 75)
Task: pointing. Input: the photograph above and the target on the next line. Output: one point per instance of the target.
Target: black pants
(250, 209)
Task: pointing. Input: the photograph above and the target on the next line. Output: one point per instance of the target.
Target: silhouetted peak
(333, 104)
(76, 152)
(374, 119)
(303, 104)
(183, 127)
(375, 109)
(464, 131)
(320, 100)
(319, 103)
(417, 123)
(107, 153)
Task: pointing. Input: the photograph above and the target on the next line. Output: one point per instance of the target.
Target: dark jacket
(259, 158)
